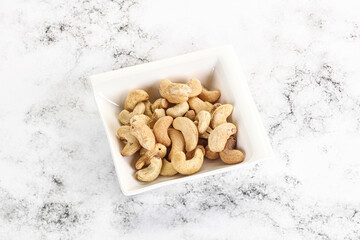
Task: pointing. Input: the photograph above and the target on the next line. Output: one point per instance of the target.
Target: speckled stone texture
(57, 179)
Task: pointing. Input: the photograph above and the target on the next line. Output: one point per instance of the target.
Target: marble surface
(57, 179)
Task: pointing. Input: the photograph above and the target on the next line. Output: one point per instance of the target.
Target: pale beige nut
(159, 150)
(191, 154)
(215, 106)
(220, 115)
(187, 167)
(174, 92)
(219, 136)
(206, 134)
(209, 96)
(151, 172)
(230, 155)
(167, 169)
(148, 111)
(141, 118)
(178, 110)
(132, 144)
(190, 115)
(157, 114)
(196, 87)
(142, 132)
(177, 140)
(160, 103)
(134, 97)
(143, 151)
(199, 105)
(203, 118)
(210, 154)
(188, 130)
(161, 130)
(125, 116)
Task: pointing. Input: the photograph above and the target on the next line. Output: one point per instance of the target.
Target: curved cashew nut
(178, 110)
(188, 130)
(160, 103)
(191, 154)
(203, 117)
(159, 150)
(134, 97)
(209, 96)
(199, 105)
(215, 106)
(125, 115)
(141, 118)
(177, 140)
(151, 172)
(148, 111)
(167, 169)
(195, 86)
(190, 115)
(220, 135)
(132, 144)
(161, 130)
(230, 155)
(174, 92)
(157, 114)
(210, 154)
(187, 167)
(220, 115)
(142, 132)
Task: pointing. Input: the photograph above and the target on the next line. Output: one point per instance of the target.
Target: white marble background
(57, 179)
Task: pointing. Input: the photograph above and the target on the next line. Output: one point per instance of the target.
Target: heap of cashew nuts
(187, 119)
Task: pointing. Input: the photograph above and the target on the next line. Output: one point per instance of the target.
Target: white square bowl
(216, 68)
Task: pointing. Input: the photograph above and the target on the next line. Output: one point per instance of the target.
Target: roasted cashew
(220, 135)
(191, 154)
(190, 115)
(143, 151)
(203, 118)
(178, 110)
(161, 130)
(157, 114)
(148, 111)
(159, 150)
(199, 105)
(177, 140)
(134, 97)
(160, 103)
(167, 169)
(125, 115)
(210, 154)
(215, 106)
(152, 171)
(141, 118)
(230, 155)
(220, 115)
(188, 130)
(195, 86)
(187, 167)
(174, 92)
(132, 144)
(142, 132)
(209, 96)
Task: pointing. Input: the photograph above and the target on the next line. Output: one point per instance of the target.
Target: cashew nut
(215, 106)
(195, 86)
(142, 132)
(188, 130)
(167, 169)
(190, 115)
(178, 110)
(220, 115)
(209, 96)
(125, 115)
(159, 150)
(187, 167)
(141, 118)
(132, 144)
(152, 171)
(191, 154)
(210, 154)
(206, 134)
(174, 92)
(219, 136)
(230, 155)
(134, 97)
(157, 114)
(177, 140)
(199, 105)
(160, 103)
(143, 151)
(203, 117)
(148, 111)
(160, 130)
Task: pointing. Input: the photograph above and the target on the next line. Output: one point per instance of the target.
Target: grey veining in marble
(57, 179)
